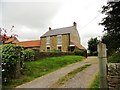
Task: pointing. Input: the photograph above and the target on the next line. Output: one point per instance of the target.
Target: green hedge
(115, 58)
(80, 52)
(11, 55)
(29, 55)
(39, 55)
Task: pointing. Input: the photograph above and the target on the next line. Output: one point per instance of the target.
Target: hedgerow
(11, 55)
(29, 55)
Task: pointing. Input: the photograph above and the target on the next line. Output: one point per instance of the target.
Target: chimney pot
(49, 28)
(74, 23)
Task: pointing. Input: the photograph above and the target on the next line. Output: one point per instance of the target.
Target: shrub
(115, 58)
(29, 55)
(80, 52)
(11, 55)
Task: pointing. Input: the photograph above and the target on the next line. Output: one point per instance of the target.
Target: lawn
(41, 67)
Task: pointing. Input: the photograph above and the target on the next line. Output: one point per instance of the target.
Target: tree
(111, 25)
(92, 45)
(3, 35)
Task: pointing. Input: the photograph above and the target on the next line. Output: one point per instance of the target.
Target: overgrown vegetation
(70, 75)
(12, 56)
(115, 58)
(80, 52)
(29, 55)
(96, 83)
(41, 67)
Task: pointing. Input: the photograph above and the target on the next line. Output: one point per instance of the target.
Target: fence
(109, 72)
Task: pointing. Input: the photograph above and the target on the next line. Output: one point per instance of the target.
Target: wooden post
(102, 64)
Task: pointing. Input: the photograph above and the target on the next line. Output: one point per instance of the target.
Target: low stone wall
(113, 76)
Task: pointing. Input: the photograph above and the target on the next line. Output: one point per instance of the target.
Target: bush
(39, 55)
(80, 52)
(115, 58)
(10, 59)
(29, 55)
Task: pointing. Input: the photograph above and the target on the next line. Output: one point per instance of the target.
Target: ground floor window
(72, 48)
(48, 49)
(59, 48)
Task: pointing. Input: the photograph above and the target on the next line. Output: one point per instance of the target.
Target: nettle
(11, 55)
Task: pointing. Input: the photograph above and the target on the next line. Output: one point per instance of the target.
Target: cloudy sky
(31, 18)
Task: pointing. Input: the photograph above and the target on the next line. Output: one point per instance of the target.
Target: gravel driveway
(80, 80)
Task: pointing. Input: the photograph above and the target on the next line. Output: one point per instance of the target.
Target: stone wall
(74, 36)
(113, 76)
(43, 44)
(65, 42)
(53, 42)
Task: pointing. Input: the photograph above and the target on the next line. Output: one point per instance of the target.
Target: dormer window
(59, 39)
(48, 40)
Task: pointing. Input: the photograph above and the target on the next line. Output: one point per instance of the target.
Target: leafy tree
(111, 25)
(92, 45)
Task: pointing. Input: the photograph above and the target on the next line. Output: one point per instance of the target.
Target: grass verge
(41, 67)
(96, 83)
(68, 76)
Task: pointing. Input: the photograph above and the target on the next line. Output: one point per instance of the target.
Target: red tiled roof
(33, 43)
(8, 39)
(77, 45)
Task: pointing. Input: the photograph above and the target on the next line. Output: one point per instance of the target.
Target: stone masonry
(53, 42)
(43, 44)
(65, 42)
(113, 76)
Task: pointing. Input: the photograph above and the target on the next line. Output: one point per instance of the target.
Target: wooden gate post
(102, 64)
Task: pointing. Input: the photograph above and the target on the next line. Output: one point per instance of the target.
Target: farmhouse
(62, 39)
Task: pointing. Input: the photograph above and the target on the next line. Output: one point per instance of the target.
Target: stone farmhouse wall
(53, 43)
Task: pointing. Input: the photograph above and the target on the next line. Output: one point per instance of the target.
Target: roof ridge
(30, 40)
(61, 28)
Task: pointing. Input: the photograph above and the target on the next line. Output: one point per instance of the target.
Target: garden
(21, 65)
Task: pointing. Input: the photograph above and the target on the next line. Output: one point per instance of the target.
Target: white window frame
(59, 39)
(48, 40)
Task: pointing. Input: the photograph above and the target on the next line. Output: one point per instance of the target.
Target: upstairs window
(59, 39)
(48, 40)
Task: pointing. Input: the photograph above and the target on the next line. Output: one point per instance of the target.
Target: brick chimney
(49, 28)
(75, 24)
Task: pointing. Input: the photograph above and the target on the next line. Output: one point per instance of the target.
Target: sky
(32, 18)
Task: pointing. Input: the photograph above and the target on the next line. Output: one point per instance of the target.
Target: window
(59, 48)
(48, 49)
(48, 40)
(59, 39)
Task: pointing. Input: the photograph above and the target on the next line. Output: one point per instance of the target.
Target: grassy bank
(41, 67)
(96, 83)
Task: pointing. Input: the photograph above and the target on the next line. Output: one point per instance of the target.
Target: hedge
(39, 55)
(12, 61)
(29, 55)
